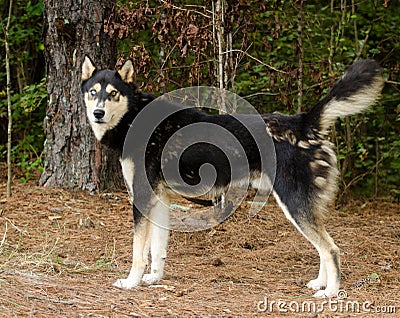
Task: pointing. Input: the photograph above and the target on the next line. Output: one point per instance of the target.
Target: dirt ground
(61, 251)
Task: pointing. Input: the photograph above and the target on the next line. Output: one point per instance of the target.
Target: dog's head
(106, 95)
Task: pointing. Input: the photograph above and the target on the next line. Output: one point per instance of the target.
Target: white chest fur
(128, 170)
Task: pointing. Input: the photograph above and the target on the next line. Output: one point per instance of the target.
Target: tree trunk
(73, 158)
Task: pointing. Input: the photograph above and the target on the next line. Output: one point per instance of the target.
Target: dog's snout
(99, 113)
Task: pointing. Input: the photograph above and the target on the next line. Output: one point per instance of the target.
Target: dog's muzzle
(98, 113)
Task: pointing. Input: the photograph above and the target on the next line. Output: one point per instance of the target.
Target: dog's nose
(99, 113)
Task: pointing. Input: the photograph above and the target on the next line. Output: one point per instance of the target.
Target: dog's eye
(93, 92)
(113, 93)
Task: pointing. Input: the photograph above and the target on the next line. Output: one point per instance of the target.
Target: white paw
(125, 283)
(151, 278)
(324, 293)
(316, 284)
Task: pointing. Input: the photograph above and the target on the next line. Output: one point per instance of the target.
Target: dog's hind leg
(328, 281)
(159, 235)
(308, 223)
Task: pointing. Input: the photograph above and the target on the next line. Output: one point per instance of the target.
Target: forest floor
(61, 251)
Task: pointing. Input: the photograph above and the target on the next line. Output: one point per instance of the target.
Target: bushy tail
(358, 89)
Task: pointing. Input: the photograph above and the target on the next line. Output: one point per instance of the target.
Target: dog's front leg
(159, 235)
(140, 251)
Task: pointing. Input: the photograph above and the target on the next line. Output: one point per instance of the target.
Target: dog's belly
(214, 191)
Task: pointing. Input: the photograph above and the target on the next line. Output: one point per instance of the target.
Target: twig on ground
(56, 301)
(16, 227)
(4, 236)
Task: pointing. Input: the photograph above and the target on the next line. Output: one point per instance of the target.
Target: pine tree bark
(72, 156)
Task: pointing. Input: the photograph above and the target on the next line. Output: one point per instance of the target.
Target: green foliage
(28, 87)
(334, 36)
(172, 46)
(25, 30)
(28, 113)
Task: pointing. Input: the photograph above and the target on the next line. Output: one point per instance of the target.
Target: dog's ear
(126, 72)
(88, 68)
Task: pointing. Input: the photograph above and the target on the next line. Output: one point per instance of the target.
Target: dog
(303, 181)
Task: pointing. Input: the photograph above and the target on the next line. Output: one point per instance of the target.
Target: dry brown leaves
(60, 252)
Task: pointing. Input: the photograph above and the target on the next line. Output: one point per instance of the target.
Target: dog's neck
(115, 137)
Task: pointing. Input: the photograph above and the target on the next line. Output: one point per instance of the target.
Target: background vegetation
(28, 85)
(280, 55)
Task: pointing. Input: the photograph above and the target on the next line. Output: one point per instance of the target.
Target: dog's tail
(358, 89)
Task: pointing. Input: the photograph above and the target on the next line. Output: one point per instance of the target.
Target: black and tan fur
(306, 169)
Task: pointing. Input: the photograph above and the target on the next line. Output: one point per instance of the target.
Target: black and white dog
(303, 178)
